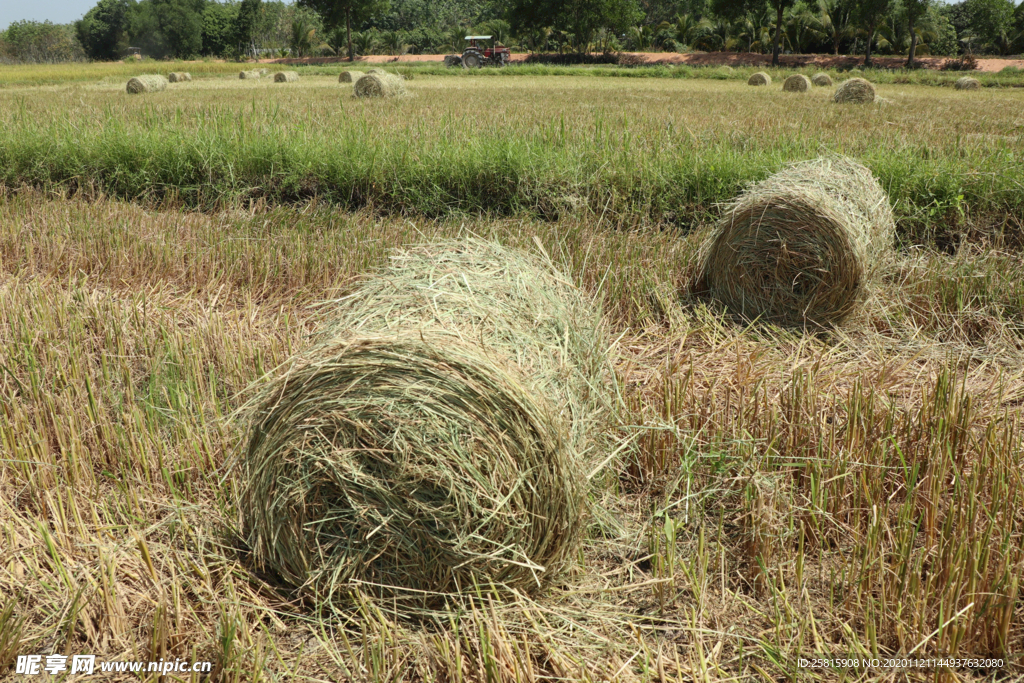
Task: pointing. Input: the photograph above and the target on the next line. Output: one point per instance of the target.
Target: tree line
(248, 28)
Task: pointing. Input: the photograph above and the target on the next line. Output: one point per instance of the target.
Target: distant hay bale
(797, 83)
(436, 438)
(967, 83)
(179, 77)
(350, 76)
(376, 71)
(286, 77)
(728, 70)
(245, 75)
(146, 83)
(802, 247)
(264, 71)
(821, 79)
(759, 78)
(855, 91)
(379, 85)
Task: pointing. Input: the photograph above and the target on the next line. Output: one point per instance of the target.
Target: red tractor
(477, 55)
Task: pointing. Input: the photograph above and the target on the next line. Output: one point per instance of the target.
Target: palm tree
(365, 43)
(834, 22)
(687, 29)
(302, 37)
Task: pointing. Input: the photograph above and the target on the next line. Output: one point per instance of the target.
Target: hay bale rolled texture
(855, 91)
(350, 76)
(286, 77)
(967, 83)
(434, 437)
(821, 79)
(802, 247)
(379, 85)
(146, 83)
(246, 75)
(759, 78)
(179, 77)
(797, 83)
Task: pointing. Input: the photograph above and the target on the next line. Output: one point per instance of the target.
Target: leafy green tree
(737, 8)
(103, 31)
(218, 28)
(580, 18)
(247, 25)
(871, 13)
(344, 12)
(916, 10)
(168, 28)
(36, 42)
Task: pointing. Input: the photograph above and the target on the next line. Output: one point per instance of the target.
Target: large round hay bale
(437, 436)
(802, 247)
(253, 73)
(797, 83)
(967, 83)
(350, 76)
(286, 76)
(146, 83)
(855, 91)
(379, 85)
(759, 78)
(821, 79)
(179, 77)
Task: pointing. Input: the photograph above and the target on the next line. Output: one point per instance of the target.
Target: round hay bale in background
(245, 75)
(376, 71)
(967, 83)
(436, 437)
(797, 83)
(286, 77)
(802, 247)
(179, 76)
(350, 76)
(821, 79)
(146, 83)
(759, 78)
(855, 91)
(264, 71)
(379, 85)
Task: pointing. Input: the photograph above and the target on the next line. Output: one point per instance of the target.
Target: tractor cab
(478, 54)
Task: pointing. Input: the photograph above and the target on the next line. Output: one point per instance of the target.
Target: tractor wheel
(471, 60)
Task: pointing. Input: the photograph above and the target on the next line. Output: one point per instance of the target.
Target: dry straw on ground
(821, 79)
(437, 437)
(286, 77)
(254, 73)
(855, 91)
(350, 76)
(797, 83)
(967, 83)
(802, 247)
(179, 76)
(759, 78)
(379, 85)
(146, 83)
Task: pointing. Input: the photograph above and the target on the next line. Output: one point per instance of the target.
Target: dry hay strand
(855, 91)
(821, 79)
(286, 77)
(967, 83)
(759, 78)
(797, 83)
(350, 76)
(802, 247)
(179, 77)
(436, 438)
(379, 84)
(245, 75)
(146, 83)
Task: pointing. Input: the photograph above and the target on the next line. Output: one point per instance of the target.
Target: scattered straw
(146, 83)
(179, 76)
(797, 83)
(350, 76)
(801, 247)
(438, 435)
(286, 77)
(967, 83)
(821, 79)
(379, 85)
(855, 91)
(759, 78)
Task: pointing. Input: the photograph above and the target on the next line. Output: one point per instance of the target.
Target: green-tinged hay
(821, 79)
(438, 435)
(759, 78)
(263, 71)
(801, 248)
(797, 83)
(350, 76)
(379, 85)
(286, 77)
(246, 75)
(179, 77)
(967, 83)
(855, 91)
(146, 83)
